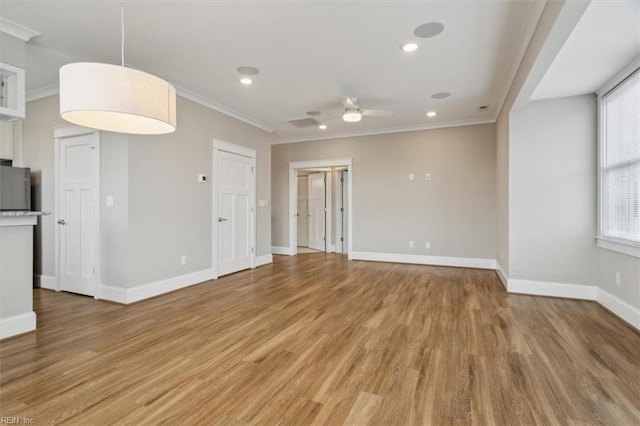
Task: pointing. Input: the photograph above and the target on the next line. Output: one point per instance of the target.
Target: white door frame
(220, 145)
(294, 166)
(65, 132)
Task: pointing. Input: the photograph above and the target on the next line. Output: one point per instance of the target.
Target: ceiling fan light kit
(116, 99)
(352, 116)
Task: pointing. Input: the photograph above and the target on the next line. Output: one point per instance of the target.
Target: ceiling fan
(353, 113)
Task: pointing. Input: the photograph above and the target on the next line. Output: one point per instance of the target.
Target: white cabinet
(12, 96)
(6, 140)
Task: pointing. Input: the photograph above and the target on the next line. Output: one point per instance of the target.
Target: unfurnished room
(317, 212)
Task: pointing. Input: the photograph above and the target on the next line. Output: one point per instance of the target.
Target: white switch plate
(427, 245)
(109, 201)
(410, 176)
(427, 176)
(183, 260)
(410, 244)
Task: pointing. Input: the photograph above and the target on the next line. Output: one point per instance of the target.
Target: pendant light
(116, 99)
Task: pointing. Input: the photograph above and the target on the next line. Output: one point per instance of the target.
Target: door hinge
(251, 249)
(342, 239)
(94, 270)
(341, 179)
(342, 209)
(253, 169)
(251, 209)
(324, 238)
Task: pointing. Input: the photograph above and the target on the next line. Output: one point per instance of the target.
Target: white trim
(60, 133)
(45, 281)
(16, 30)
(546, 288)
(620, 248)
(264, 260)
(20, 83)
(112, 294)
(286, 251)
(388, 130)
(462, 262)
(135, 294)
(165, 286)
(619, 307)
(42, 93)
(17, 324)
(501, 274)
(331, 248)
(223, 109)
(218, 145)
(619, 77)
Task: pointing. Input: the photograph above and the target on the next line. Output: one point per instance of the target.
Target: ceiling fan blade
(348, 102)
(376, 113)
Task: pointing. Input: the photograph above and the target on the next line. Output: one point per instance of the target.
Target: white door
(317, 211)
(235, 212)
(303, 214)
(78, 178)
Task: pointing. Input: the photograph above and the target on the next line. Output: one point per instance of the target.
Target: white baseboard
(17, 324)
(45, 281)
(112, 294)
(617, 306)
(625, 311)
(281, 250)
(503, 277)
(264, 260)
(331, 248)
(545, 288)
(135, 294)
(462, 262)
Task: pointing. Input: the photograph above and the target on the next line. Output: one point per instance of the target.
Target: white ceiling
(606, 39)
(310, 53)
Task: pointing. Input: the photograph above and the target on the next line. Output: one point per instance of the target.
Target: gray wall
(160, 211)
(553, 190)
(455, 211)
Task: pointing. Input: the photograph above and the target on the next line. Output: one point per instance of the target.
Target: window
(620, 163)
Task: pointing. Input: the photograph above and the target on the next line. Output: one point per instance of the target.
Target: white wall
(160, 211)
(455, 211)
(552, 191)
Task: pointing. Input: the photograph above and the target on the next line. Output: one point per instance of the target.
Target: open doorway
(320, 206)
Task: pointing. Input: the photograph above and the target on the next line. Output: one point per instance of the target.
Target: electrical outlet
(410, 244)
(617, 278)
(427, 245)
(427, 176)
(183, 260)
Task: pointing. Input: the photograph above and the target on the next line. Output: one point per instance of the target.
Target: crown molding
(389, 130)
(17, 30)
(222, 109)
(43, 92)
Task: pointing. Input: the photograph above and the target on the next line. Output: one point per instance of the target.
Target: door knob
(221, 219)
(62, 222)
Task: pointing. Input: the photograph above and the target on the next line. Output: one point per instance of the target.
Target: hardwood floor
(322, 340)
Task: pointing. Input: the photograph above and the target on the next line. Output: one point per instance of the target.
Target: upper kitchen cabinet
(12, 89)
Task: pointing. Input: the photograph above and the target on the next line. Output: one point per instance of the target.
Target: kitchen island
(16, 272)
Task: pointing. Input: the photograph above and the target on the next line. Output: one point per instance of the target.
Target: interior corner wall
(455, 211)
(502, 193)
(553, 191)
(170, 213)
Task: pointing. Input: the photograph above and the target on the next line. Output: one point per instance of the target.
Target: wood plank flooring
(319, 340)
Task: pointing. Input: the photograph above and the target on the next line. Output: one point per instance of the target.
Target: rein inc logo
(5, 420)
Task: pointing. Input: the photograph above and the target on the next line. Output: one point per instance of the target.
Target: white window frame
(609, 243)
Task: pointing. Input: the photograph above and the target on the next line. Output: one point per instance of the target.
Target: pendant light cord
(122, 27)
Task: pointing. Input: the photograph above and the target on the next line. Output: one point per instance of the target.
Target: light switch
(410, 176)
(109, 201)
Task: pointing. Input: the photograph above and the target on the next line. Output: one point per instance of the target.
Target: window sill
(627, 249)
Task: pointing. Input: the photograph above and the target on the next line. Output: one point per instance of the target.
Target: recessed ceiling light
(245, 70)
(431, 114)
(428, 30)
(322, 127)
(246, 80)
(440, 95)
(410, 47)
